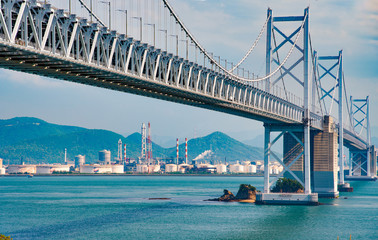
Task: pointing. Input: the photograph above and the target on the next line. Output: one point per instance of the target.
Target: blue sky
(227, 28)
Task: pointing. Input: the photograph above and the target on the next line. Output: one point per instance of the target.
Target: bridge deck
(38, 39)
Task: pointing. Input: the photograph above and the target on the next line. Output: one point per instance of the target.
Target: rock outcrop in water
(246, 193)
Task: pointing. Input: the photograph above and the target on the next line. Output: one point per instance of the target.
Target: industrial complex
(145, 164)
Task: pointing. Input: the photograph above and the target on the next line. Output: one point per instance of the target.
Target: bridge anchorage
(40, 39)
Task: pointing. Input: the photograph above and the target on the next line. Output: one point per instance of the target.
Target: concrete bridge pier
(323, 162)
(324, 157)
(293, 163)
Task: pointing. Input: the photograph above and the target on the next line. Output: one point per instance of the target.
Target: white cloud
(30, 79)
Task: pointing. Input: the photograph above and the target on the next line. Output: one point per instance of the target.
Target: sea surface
(118, 207)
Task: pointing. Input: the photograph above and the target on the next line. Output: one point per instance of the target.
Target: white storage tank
(251, 169)
(22, 169)
(95, 168)
(153, 168)
(117, 168)
(183, 167)
(60, 168)
(2, 171)
(221, 168)
(1, 163)
(104, 157)
(237, 168)
(142, 168)
(43, 169)
(79, 160)
(171, 168)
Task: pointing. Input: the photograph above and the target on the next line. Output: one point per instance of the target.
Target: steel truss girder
(42, 33)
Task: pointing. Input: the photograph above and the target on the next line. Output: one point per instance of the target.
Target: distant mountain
(37, 141)
(223, 147)
(257, 141)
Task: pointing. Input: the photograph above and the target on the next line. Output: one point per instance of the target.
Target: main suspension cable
(253, 46)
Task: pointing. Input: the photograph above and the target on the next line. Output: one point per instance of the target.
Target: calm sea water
(117, 207)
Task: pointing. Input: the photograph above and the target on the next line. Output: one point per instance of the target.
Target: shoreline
(134, 175)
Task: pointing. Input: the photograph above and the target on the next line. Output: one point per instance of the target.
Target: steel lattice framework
(39, 39)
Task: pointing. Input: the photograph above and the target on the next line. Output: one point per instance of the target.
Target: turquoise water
(117, 207)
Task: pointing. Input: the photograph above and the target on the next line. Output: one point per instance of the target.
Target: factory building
(184, 167)
(104, 157)
(142, 168)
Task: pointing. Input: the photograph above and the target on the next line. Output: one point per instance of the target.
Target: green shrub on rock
(287, 185)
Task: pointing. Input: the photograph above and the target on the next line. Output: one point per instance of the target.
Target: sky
(226, 28)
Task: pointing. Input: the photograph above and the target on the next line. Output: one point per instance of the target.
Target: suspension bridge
(152, 53)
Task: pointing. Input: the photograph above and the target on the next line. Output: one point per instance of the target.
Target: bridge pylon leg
(266, 159)
(292, 164)
(361, 167)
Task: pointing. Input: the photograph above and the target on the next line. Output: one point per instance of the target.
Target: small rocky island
(246, 193)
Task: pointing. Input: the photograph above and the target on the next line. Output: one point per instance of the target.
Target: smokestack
(124, 153)
(143, 132)
(177, 150)
(186, 150)
(119, 157)
(65, 155)
(149, 145)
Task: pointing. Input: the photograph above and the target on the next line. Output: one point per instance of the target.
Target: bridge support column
(266, 159)
(324, 161)
(363, 164)
(292, 163)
